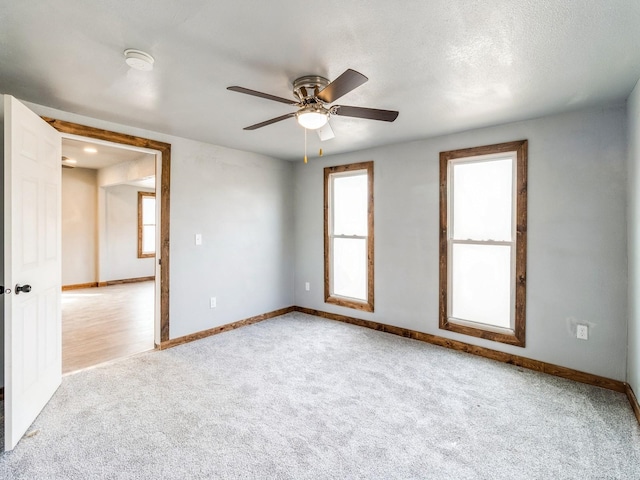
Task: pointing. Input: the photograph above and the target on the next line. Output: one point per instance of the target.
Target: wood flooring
(105, 323)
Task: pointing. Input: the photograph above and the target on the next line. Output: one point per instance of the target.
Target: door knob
(22, 288)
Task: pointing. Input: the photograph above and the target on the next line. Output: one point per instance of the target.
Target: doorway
(162, 151)
(109, 239)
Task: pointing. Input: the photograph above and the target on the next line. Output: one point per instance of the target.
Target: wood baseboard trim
(125, 280)
(223, 328)
(517, 360)
(633, 400)
(77, 286)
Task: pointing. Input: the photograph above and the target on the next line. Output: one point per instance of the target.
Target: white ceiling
(446, 65)
(105, 155)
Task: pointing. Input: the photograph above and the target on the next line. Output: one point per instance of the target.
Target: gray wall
(120, 236)
(79, 226)
(633, 367)
(243, 206)
(577, 268)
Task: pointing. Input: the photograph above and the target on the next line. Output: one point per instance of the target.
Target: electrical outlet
(582, 332)
(212, 302)
(307, 286)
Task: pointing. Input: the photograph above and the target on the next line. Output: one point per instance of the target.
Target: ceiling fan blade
(269, 122)
(255, 93)
(360, 112)
(325, 133)
(342, 85)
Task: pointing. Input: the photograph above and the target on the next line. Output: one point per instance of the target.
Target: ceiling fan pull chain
(305, 145)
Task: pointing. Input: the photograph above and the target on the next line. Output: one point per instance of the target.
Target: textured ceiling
(446, 65)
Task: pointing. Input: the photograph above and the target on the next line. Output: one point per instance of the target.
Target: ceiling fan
(313, 93)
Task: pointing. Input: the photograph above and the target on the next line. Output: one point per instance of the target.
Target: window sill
(507, 336)
(350, 303)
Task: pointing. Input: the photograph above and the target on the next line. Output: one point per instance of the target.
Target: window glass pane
(149, 239)
(350, 205)
(148, 210)
(350, 267)
(481, 284)
(482, 200)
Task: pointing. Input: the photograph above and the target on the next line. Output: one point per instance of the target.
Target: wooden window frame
(516, 335)
(141, 196)
(368, 304)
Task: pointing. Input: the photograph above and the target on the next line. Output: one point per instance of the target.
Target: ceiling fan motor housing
(306, 88)
(312, 114)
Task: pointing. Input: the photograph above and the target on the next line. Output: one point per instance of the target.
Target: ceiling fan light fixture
(312, 118)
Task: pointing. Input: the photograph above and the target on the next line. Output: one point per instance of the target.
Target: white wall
(120, 235)
(242, 204)
(126, 172)
(633, 368)
(118, 229)
(79, 226)
(576, 236)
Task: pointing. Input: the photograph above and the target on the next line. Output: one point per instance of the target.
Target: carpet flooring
(299, 397)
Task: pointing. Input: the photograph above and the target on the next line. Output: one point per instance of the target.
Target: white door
(33, 344)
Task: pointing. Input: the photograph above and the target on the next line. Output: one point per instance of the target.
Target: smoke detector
(138, 59)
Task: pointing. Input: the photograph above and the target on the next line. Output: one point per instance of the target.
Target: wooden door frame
(165, 152)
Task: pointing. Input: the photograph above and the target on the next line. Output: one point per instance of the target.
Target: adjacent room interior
(108, 252)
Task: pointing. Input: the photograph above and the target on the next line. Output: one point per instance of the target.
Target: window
(146, 224)
(483, 235)
(348, 239)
